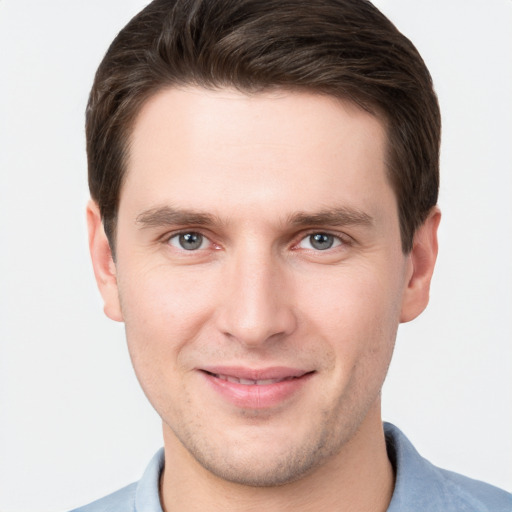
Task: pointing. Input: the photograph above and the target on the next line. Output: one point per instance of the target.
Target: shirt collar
(147, 497)
(419, 485)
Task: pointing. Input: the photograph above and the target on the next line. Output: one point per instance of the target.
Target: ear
(422, 259)
(103, 263)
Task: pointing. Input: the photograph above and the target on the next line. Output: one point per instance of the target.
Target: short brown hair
(343, 48)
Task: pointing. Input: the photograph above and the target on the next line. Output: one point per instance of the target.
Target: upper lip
(240, 372)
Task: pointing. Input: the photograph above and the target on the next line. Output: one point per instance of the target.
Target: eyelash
(343, 240)
(169, 237)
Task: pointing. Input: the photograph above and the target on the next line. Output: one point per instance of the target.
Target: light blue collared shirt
(419, 486)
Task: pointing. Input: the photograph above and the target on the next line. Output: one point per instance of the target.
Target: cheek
(163, 313)
(166, 300)
(353, 297)
(356, 313)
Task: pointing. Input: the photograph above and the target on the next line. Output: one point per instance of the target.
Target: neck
(358, 477)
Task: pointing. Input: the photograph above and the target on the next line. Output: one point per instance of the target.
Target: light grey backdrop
(73, 423)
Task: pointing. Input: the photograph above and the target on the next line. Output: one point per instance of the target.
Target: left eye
(189, 241)
(320, 241)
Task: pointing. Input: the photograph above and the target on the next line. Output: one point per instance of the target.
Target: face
(260, 276)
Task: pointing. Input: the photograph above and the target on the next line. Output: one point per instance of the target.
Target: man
(264, 181)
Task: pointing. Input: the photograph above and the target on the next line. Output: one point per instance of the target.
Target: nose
(257, 300)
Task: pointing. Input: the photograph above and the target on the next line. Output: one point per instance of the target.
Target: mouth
(250, 382)
(256, 389)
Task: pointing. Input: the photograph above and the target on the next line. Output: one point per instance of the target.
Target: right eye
(189, 241)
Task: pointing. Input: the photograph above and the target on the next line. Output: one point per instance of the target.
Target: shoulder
(422, 486)
(141, 495)
(121, 500)
(476, 493)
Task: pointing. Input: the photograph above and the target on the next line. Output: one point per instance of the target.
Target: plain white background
(73, 423)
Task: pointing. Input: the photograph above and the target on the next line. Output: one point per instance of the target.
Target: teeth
(250, 382)
(265, 382)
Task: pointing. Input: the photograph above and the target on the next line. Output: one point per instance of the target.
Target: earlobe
(103, 263)
(422, 259)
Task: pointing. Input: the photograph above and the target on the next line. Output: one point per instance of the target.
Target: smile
(250, 382)
(256, 389)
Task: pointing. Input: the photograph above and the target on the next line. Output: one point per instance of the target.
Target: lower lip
(257, 396)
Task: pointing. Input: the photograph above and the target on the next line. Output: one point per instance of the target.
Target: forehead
(275, 150)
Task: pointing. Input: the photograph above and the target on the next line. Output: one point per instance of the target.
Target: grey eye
(188, 241)
(321, 241)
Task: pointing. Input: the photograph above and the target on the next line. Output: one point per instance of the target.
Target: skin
(256, 176)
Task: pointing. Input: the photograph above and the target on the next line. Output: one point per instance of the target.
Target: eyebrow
(343, 216)
(167, 215)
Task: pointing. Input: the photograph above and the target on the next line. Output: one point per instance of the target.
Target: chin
(268, 459)
(270, 472)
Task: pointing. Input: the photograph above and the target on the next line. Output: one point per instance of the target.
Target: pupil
(321, 241)
(190, 241)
